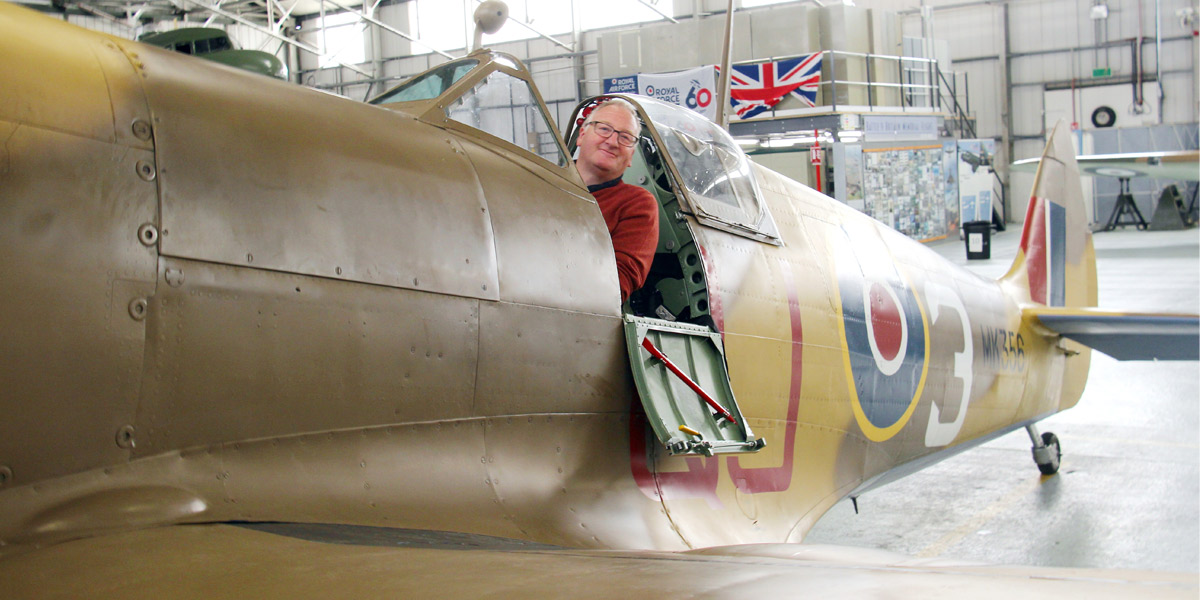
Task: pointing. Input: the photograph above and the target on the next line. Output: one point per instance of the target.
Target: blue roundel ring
(885, 333)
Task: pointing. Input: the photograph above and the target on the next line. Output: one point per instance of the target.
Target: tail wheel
(1049, 456)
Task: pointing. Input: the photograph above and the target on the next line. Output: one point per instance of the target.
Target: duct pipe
(1158, 57)
(1006, 111)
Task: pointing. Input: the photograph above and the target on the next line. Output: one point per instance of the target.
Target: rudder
(1056, 263)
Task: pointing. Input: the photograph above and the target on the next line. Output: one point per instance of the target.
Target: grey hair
(623, 105)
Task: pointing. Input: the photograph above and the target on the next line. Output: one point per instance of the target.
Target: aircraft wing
(1124, 335)
(319, 561)
(1182, 165)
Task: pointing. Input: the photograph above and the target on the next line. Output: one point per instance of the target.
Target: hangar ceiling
(273, 18)
(264, 13)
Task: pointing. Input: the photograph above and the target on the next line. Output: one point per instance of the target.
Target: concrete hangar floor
(1128, 491)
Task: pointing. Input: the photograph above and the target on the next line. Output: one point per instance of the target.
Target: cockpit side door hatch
(680, 373)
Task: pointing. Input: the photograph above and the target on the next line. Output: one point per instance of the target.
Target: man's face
(604, 157)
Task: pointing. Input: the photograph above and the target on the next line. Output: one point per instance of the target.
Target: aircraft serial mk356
(384, 353)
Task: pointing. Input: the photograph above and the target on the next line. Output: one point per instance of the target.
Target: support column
(1006, 111)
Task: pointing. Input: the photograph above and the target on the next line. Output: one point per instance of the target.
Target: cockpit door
(681, 376)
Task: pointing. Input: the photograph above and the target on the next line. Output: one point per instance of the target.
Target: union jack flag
(756, 88)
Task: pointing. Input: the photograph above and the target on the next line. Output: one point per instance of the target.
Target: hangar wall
(1049, 41)
(1051, 44)
(1012, 52)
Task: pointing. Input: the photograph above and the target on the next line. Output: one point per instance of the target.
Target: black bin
(978, 236)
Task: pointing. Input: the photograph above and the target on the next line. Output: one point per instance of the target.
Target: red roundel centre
(885, 322)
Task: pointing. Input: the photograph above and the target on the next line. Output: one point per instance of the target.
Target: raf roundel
(887, 329)
(884, 331)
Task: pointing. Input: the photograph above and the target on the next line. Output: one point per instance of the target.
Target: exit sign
(1101, 72)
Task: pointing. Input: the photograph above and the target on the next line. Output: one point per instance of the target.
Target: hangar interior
(914, 97)
(902, 82)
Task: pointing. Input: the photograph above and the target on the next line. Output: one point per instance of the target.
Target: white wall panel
(910, 26)
(986, 96)
(591, 77)
(662, 47)
(249, 38)
(544, 47)
(555, 78)
(518, 49)
(794, 165)
(357, 92)
(1049, 24)
(102, 25)
(1180, 93)
(971, 32)
(1027, 110)
(783, 31)
(396, 15)
(412, 65)
(1176, 55)
(312, 38)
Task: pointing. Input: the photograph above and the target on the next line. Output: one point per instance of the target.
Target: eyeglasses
(605, 130)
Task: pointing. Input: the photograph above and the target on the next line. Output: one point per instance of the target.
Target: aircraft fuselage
(233, 299)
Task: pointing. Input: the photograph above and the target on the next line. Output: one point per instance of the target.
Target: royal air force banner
(755, 88)
(693, 88)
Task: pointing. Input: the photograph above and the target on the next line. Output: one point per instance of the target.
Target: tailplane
(1055, 263)
(1054, 276)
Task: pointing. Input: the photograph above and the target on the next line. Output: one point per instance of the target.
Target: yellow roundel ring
(883, 401)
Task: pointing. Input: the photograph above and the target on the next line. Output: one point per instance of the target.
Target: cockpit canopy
(720, 184)
(428, 85)
(700, 162)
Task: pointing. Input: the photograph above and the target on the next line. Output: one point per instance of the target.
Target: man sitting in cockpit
(606, 144)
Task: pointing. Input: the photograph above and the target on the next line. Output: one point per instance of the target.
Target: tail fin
(1056, 263)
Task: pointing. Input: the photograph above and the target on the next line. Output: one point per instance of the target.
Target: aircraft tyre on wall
(1104, 116)
(1049, 455)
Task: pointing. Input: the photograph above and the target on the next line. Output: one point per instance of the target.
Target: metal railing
(961, 118)
(886, 83)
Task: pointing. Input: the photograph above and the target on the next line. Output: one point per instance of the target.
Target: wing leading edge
(209, 561)
(1181, 165)
(1126, 336)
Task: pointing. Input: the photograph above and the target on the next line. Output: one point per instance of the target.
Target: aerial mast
(489, 18)
(723, 76)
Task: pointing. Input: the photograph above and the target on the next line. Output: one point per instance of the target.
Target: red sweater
(631, 214)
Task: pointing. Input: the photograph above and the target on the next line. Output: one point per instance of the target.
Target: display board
(905, 188)
(977, 181)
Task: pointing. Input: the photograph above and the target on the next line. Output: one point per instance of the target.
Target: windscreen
(504, 106)
(714, 170)
(428, 85)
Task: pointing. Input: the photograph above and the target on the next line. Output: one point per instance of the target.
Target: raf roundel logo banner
(884, 332)
(692, 88)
